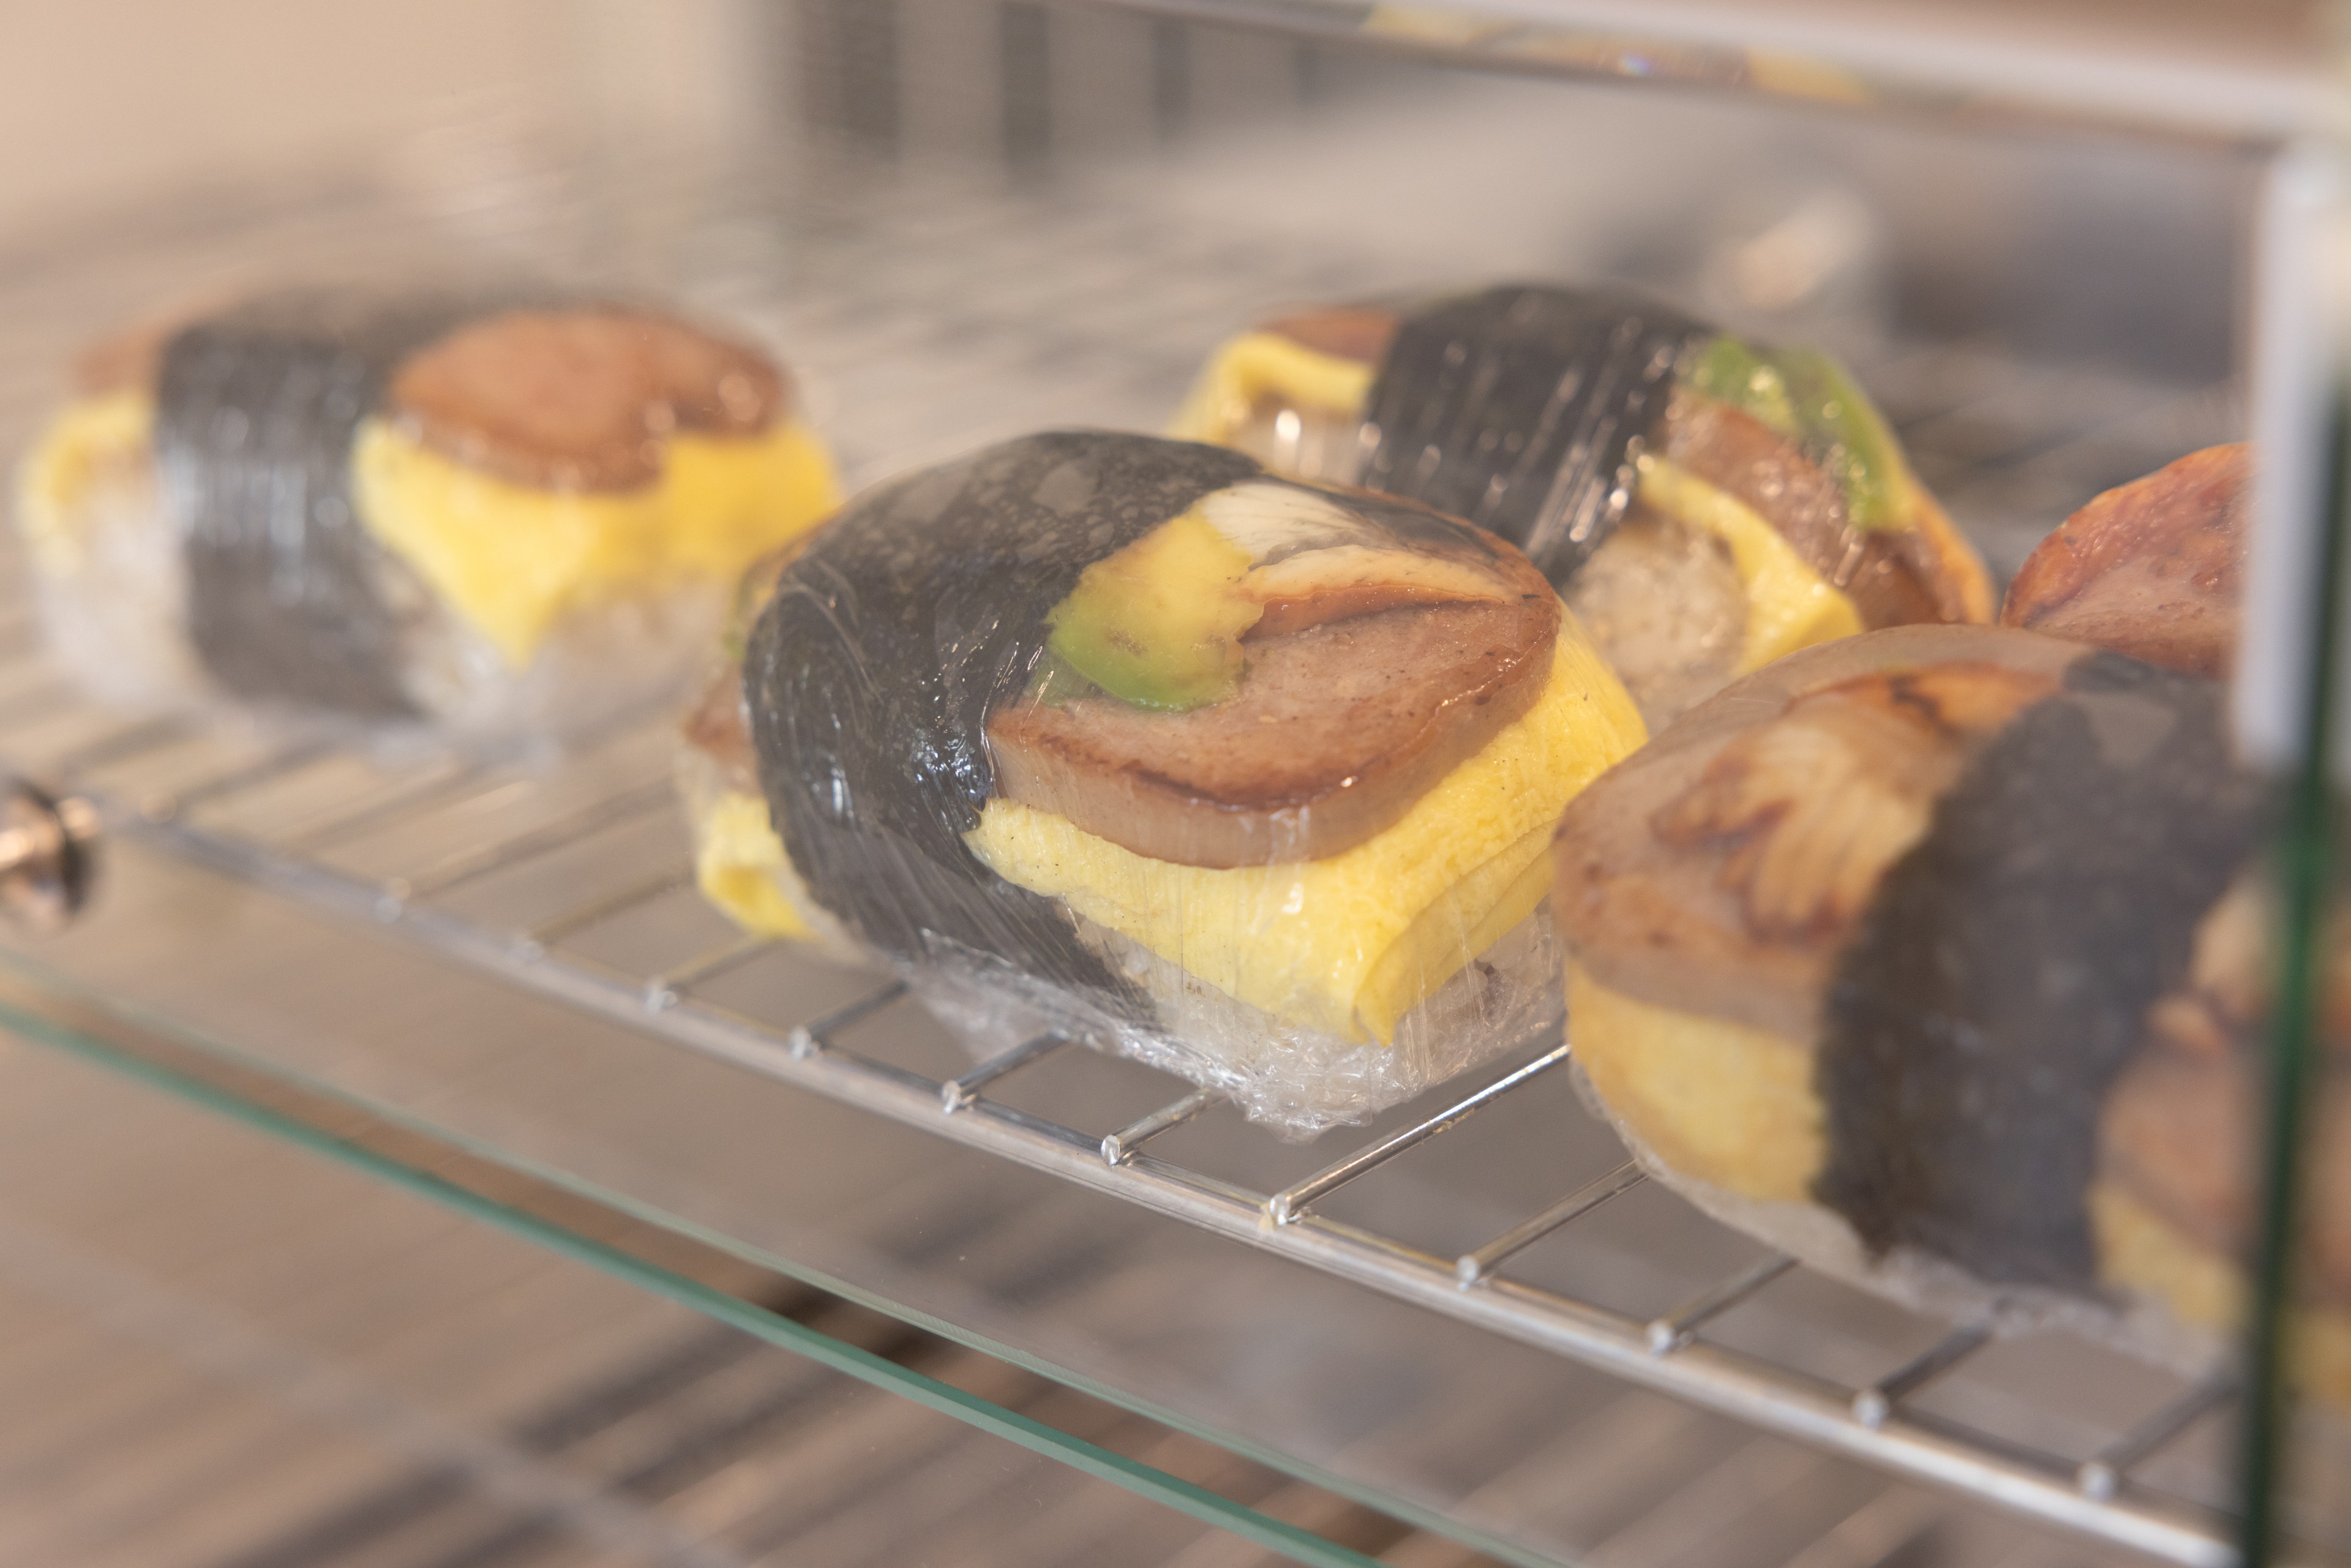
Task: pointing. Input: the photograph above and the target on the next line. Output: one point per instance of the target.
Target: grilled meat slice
(1332, 733)
(717, 726)
(2153, 569)
(580, 399)
(1724, 865)
(1359, 332)
(1892, 578)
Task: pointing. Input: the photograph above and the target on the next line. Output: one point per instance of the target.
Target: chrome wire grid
(1670, 1351)
(902, 369)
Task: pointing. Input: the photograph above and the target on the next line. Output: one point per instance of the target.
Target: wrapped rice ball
(515, 520)
(1937, 956)
(1859, 948)
(1129, 740)
(1705, 504)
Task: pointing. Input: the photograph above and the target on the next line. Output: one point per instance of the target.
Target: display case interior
(1473, 1310)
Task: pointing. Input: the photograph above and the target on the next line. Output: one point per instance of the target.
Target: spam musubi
(1706, 503)
(511, 516)
(1942, 956)
(1129, 739)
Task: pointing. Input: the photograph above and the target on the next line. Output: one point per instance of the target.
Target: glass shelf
(220, 1348)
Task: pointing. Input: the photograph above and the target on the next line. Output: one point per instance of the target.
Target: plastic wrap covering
(256, 411)
(511, 516)
(1129, 740)
(1934, 957)
(739, 863)
(1705, 504)
(1522, 410)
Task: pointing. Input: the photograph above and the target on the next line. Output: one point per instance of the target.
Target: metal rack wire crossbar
(1671, 1352)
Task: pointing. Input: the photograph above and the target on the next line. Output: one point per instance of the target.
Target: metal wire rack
(1669, 1351)
(867, 328)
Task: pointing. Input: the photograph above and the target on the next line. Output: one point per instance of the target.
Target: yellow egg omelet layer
(1248, 368)
(1789, 605)
(90, 441)
(512, 560)
(739, 865)
(1716, 1100)
(1351, 944)
(509, 558)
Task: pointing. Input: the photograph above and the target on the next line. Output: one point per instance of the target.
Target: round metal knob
(48, 853)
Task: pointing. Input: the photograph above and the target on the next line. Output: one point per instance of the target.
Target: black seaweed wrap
(1523, 409)
(2003, 974)
(871, 674)
(255, 414)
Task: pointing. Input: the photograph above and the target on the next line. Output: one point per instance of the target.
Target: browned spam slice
(1337, 584)
(1808, 812)
(1894, 579)
(1358, 333)
(717, 726)
(1720, 868)
(2153, 569)
(1334, 732)
(579, 399)
(125, 360)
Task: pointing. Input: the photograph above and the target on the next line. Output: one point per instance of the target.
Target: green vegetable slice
(1850, 436)
(1159, 623)
(1807, 397)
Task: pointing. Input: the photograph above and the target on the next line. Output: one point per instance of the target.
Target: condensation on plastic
(922, 610)
(2031, 886)
(1532, 411)
(223, 560)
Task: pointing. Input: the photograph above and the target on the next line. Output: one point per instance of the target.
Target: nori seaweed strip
(255, 414)
(908, 619)
(2004, 973)
(1522, 410)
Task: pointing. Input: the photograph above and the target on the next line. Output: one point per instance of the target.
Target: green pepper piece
(1729, 371)
(1848, 436)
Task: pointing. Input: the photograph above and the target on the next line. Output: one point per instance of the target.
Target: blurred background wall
(2113, 253)
(111, 102)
